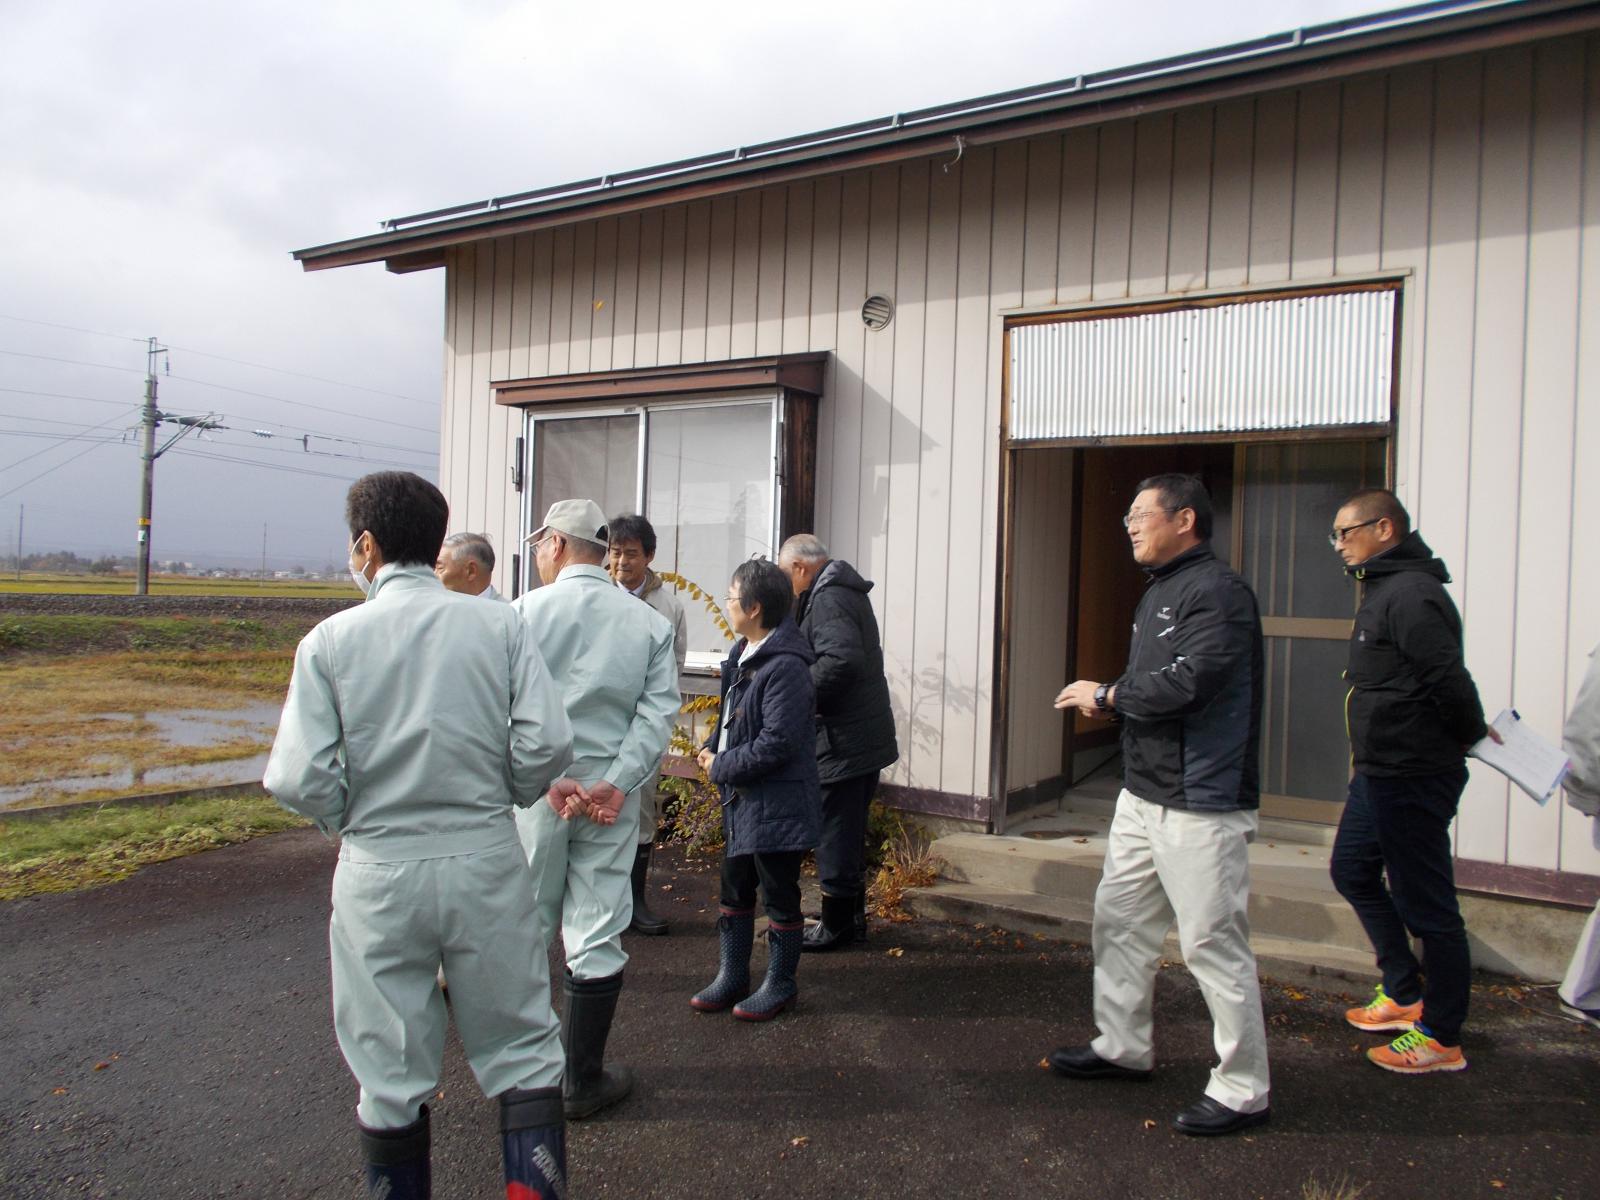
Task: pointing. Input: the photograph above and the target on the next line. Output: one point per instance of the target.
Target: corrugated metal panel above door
(1286, 363)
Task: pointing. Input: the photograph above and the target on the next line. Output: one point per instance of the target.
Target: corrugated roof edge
(1418, 22)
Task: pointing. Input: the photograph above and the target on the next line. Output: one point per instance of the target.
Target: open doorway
(1075, 588)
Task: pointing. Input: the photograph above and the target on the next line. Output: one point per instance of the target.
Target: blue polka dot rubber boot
(779, 990)
(736, 931)
(397, 1161)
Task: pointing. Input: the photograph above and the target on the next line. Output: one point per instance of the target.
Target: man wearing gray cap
(613, 660)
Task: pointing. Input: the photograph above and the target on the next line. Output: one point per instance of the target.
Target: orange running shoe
(1383, 1014)
(1415, 1053)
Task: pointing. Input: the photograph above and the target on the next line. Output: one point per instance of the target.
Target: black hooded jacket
(1413, 708)
(855, 725)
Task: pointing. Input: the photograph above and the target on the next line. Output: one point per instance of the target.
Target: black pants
(779, 877)
(842, 851)
(1402, 827)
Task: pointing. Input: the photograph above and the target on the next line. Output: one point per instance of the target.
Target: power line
(301, 375)
(304, 404)
(237, 416)
(74, 328)
(75, 362)
(72, 438)
(251, 462)
(219, 357)
(57, 467)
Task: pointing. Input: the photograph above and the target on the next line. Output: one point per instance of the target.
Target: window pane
(590, 458)
(709, 496)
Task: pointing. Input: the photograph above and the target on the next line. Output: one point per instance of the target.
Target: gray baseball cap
(581, 519)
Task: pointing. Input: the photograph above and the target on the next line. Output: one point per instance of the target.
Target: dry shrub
(1335, 1189)
(899, 859)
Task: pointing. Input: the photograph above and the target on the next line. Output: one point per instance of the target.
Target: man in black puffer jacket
(855, 726)
(1190, 706)
(1413, 711)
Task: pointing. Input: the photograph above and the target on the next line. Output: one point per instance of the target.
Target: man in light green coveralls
(614, 661)
(414, 722)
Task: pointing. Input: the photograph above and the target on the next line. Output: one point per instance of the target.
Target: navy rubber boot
(589, 1087)
(398, 1165)
(779, 990)
(860, 922)
(736, 933)
(533, 1143)
(837, 929)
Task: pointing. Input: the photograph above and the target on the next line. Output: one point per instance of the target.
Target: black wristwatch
(1100, 697)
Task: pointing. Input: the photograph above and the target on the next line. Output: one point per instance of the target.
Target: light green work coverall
(413, 724)
(614, 661)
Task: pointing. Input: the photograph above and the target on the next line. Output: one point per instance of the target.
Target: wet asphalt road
(170, 1036)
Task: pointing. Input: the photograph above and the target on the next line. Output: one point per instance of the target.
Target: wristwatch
(1100, 697)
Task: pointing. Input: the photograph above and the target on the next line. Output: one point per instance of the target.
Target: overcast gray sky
(161, 159)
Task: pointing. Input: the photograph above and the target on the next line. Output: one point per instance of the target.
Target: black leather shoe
(1080, 1062)
(1209, 1118)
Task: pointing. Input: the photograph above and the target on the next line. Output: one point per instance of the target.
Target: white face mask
(360, 576)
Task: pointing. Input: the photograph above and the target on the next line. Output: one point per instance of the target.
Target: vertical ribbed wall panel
(1292, 363)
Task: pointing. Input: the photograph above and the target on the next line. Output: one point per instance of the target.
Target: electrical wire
(72, 438)
(76, 362)
(298, 431)
(57, 467)
(251, 462)
(219, 357)
(302, 404)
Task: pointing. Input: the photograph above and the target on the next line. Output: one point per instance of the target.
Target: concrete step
(1290, 896)
(1282, 959)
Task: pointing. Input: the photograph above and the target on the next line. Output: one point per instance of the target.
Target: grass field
(36, 583)
(102, 845)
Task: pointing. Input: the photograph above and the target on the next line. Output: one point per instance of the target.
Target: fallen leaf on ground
(61, 1091)
(802, 1140)
(101, 1066)
(1081, 841)
(1500, 1183)
(1149, 1124)
(895, 952)
(1294, 995)
(1045, 1063)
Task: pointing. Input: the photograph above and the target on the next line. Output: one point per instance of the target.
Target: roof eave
(1472, 31)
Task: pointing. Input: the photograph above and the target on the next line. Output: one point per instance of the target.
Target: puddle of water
(193, 727)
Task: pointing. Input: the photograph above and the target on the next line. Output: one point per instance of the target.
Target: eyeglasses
(730, 599)
(1140, 516)
(1338, 535)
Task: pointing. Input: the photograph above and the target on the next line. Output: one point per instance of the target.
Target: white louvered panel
(1294, 363)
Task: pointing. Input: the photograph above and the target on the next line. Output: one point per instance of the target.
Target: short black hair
(631, 527)
(1375, 503)
(1180, 491)
(405, 514)
(764, 583)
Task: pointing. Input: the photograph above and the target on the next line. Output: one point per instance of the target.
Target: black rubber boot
(533, 1143)
(736, 932)
(397, 1161)
(860, 922)
(779, 990)
(644, 921)
(589, 1087)
(837, 928)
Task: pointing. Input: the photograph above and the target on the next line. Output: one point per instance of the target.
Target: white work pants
(1581, 987)
(649, 810)
(582, 878)
(1164, 862)
(393, 924)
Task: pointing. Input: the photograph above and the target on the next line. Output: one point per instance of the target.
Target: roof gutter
(1383, 41)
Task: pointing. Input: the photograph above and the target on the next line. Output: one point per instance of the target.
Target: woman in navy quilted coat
(763, 757)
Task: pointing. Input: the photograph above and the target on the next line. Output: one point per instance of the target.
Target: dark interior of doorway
(1108, 583)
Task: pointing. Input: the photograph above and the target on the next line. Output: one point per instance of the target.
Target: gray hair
(474, 546)
(807, 547)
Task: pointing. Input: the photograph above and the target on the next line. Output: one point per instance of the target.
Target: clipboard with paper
(1522, 756)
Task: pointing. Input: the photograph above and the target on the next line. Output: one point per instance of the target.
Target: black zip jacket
(1413, 708)
(855, 724)
(1190, 699)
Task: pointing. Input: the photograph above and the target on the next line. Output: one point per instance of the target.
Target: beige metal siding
(1477, 180)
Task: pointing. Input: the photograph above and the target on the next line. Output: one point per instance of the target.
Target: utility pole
(21, 510)
(148, 421)
(263, 549)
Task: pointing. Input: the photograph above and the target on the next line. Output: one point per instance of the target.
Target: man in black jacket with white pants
(1412, 712)
(855, 726)
(1190, 707)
